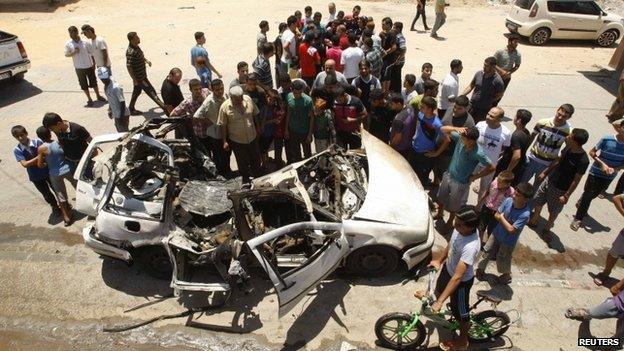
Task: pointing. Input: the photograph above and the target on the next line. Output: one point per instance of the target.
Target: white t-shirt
(289, 37)
(450, 86)
(350, 60)
(493, 140)
(82, 59)
(464, 248)
(98, 45)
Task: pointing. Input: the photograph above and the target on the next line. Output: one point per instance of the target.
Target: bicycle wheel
(389, 326)
(487, 325)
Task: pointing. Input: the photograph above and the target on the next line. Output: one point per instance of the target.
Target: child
(26, 154)
(204, 73)
(560, 179)
(499, 190)
(324, 130)
(511, 217)
(117, 109)
(51, 153)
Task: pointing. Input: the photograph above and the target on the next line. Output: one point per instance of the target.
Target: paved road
(57, 293)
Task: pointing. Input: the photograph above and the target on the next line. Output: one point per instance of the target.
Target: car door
(293, 285)
(589, 19)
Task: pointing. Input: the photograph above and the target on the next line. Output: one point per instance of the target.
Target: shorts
(386, 72)
(486, 219)
(58, 184)
(452, 194)
(617, 248)
(460, 307)
(549, 195)
(494, 250)
(86, 77)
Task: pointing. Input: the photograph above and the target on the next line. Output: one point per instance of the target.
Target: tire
(608, 38)
(154, 260)
(373, 261)
(495, 320)
(540, 36)
(392, 321)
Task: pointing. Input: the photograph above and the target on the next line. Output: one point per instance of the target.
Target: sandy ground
(56, 294)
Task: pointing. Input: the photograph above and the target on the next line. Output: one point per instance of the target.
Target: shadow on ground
(12, 91)
(132, 280)
(47, 6)
(608, 80)
(568, 43)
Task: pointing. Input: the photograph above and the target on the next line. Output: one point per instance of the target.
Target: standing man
(403, 125)
(351, 58)
(73, 138)
(237, 117)
(188, 107)
(390, 53)
(199, 51)
(100, 49)
(170, 90)
(349, 114)
(440, 17)
(117, 109)
(289, 45)
(135, 63)
(513, 158)
(330, 70)
(608, 156)
(299, 122)
(450, 87)
(486, 87)
(493, 137)
(279, 51)
(262, 66)
(206, 128)
(425, 149)
(508, 60)
(242, 68)
(549, 134)
(308, 59)
(332, 12)
(261, 38)
(374, 55)
(80, 51)
(420, 10)
(365, 83)
(395, 83)
(335, 52)
(425, 73)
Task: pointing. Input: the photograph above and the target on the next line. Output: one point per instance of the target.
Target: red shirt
(344, 41)
(307, 62)
(334, 53)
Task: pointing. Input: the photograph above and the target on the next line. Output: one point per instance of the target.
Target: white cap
(236, 91)
(103, 73)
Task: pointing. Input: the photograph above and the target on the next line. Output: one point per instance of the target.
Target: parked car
(542, 20)
(363, 209)
(14, 61)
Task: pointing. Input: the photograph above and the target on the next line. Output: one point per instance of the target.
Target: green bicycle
(404, 331)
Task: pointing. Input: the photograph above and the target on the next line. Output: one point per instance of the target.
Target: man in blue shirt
(453, 191)
(424, 149)
(512, 215)
(26, 154)
(199, 50)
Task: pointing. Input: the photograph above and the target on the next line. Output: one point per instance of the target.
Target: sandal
(480, 274)
(452, 346)
(579, 314)
(575, 225)
(600, 278)
(504, 280)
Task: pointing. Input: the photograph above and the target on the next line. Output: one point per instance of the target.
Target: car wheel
(540, 36)
(608, 38)
(154, 260)
(373, 260)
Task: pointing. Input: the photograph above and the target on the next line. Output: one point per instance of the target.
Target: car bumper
(11, 70)
(103, 248)
(416, 254)
(519, 28)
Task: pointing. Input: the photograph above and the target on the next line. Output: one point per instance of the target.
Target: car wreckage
(158, 200)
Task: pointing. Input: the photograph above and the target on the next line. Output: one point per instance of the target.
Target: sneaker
(89, 103)
(101, 98)
(575, 225)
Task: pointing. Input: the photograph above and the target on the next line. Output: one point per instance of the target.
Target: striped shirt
(136, 61)
(611, 153)
(262, 67)
(548, 141)
(374, 57)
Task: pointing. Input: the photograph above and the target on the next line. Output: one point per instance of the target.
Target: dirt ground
(58, 295)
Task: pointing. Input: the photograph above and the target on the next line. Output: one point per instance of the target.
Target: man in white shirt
(350, 59)
(450, 87)
(332, 12)
(81, 53)
(493, 137)
(329, 70)
(289, 44)
(100, 49)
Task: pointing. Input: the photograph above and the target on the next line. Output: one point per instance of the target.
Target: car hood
(394, 194)
(612, 17)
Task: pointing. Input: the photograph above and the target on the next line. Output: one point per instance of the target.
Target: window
(525, 4)
(588, 8)
(562, 6)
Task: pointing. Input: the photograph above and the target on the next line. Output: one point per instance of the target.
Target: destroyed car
(364, 209)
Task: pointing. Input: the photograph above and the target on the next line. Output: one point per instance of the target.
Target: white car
(14, 61)
(541, 20)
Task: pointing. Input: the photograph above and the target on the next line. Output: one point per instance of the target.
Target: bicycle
(404, 331)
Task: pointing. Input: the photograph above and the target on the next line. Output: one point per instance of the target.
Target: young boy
(456, 277)
(26, 154)
(499, 190)
(560, 179)
(117, 109)
(324, 130)
(409, 88)
(512, 215)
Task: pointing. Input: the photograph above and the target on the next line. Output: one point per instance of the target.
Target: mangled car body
(364, 209)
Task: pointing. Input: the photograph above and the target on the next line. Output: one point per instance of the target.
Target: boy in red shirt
(308, 59)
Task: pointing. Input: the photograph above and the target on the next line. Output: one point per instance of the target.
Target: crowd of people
(333, 80)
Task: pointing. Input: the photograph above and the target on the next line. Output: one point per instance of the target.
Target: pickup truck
(14, 61)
